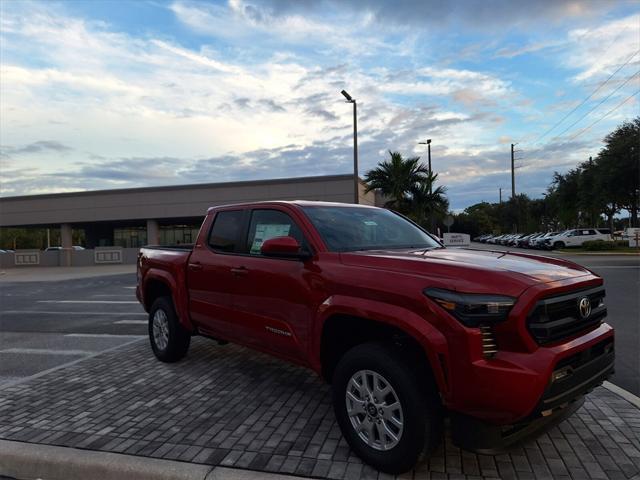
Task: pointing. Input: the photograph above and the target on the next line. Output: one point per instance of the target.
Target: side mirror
(283, 247)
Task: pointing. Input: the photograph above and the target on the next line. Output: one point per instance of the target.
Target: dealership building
(117, 222)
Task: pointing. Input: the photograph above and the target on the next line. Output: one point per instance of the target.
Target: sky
(118, 94)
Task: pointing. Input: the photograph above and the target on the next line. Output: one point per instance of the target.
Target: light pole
(428, 144)
(356, 180)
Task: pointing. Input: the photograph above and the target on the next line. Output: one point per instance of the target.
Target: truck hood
(469, 269)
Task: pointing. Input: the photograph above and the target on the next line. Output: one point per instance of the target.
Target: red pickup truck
(405, 330)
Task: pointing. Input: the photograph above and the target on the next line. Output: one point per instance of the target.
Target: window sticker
(265, 231)
(371, 223)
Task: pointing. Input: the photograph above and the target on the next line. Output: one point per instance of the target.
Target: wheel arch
(346, 322)
(158, 283)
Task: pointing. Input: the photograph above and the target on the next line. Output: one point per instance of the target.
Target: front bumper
(572, 377)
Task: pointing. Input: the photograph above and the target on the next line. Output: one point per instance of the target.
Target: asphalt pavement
(46, 324)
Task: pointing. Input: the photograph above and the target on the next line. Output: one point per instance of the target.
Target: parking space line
(89, 301)
(131, 322)
(48, 312)
(73, 362)
(46, 351)
(98, 335)
(128, 295)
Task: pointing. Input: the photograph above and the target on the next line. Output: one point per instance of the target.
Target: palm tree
(427, 202)
(395, 179)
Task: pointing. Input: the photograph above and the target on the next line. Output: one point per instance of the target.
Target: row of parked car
(548, 240)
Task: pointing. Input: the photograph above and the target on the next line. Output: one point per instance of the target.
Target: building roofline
(193, 186)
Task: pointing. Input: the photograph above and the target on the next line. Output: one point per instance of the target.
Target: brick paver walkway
(234, 407)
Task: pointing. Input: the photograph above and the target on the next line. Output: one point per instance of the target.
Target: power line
(586, 99)
(605, 115)
(601, 102)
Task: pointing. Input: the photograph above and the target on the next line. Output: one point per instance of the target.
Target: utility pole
(500, 195)
(356, 180)
(513, 174)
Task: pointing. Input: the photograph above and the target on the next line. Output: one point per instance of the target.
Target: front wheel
(388, 414)
(169, 339)
(558, 245)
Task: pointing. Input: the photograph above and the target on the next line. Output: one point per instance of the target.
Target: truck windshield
(346, 229)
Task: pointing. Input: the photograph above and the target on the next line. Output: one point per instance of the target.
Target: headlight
(472, 309)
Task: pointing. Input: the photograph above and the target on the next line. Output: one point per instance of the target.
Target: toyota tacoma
(406, 331)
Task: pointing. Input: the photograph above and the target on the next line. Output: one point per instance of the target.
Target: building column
(153, 232)
(66, 241)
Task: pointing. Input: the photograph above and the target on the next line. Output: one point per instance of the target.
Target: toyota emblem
(584, 306)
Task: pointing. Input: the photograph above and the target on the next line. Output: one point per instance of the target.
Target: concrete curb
(30, 461)
(621, 392)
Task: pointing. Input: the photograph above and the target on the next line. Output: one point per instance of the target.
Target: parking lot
(76, 371)
(46, 324)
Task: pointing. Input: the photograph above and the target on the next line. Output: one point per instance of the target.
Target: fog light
(561, 374)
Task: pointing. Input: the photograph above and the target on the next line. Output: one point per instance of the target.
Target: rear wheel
(169, 339)
(388, 414)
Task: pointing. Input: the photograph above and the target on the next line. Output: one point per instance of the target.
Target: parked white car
(575, 238)
(539, 242)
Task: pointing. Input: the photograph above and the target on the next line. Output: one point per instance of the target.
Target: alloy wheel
(374, 410)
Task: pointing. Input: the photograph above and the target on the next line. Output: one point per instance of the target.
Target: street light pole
(428, 144)
(356, 180)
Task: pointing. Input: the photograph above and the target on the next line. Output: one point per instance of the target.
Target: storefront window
(131, 237)
(178, 234)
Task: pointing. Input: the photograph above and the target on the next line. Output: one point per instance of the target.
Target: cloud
(438, 14)
(252, 91)
(601, 50)
(321, 113)
(515, 51)
(41, 146)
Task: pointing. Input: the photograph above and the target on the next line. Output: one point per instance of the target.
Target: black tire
(421, 409)
(558, 245)
(179, 338)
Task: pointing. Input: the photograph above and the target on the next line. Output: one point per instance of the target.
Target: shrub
(595, 245)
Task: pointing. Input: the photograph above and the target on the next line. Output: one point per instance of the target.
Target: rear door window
(225, 233)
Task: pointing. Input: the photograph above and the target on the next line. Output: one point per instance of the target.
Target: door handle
(195, 266)
(239, 271)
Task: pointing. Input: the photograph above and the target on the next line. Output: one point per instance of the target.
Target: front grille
(556, 318)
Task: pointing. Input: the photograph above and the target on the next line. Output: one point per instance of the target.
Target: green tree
(427, 202)
(395, 178)
(619, 164)
(566, 191)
